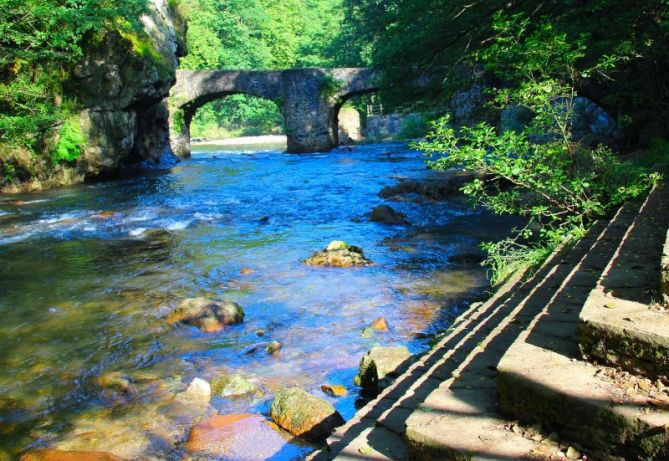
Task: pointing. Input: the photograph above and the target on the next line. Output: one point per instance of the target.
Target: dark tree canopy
(413, 41)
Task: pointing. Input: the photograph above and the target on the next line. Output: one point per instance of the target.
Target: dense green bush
(540, 172)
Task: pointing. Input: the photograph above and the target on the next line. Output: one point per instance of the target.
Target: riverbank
(241, 141)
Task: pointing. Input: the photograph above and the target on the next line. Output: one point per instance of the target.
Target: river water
(88, 273)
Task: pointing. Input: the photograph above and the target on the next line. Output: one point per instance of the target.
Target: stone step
(460, 419)
(619, 326)
(445, 403)
(542, 378)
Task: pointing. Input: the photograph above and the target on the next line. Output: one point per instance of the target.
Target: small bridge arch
(309, 99)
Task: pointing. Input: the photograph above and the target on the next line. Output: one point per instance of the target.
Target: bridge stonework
(309, 99)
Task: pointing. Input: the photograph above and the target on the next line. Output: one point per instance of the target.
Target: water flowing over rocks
(339, 254)
(59, 455)
(380, 365)
(208, 315)
(114, 380)
(304, 415)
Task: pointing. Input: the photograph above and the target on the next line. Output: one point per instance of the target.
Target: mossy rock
(304, 415)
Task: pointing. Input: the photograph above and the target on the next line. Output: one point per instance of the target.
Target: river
(88, 273)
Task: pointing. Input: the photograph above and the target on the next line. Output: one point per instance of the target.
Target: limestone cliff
(121, 85)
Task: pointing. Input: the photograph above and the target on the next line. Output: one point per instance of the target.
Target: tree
(540, 172)
(255, 34)
(415, 44)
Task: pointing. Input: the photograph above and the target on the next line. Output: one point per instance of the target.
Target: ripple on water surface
(89, 273)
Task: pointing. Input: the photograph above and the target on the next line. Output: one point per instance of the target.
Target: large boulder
(339, 254)
(386, 215)
(208, 315)
(380, 366)
(304, 415)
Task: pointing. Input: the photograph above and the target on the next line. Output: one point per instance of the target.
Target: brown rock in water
(237, 436)
(379, 366)
(59, 455)
(380, 324)
(386, 215)
(304, 415)
(334, 390)
(273, 347)
(208, 315)
(339, 254)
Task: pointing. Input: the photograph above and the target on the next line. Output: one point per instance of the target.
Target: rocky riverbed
(161, 315)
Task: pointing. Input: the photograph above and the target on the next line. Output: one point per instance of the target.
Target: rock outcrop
(121, 83)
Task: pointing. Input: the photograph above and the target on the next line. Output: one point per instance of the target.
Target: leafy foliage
(39, 41)
(540, 172)
(71, 141)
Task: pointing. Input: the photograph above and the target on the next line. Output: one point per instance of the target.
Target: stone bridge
(309, 99)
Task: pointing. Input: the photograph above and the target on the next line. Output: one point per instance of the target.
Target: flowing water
(88, 273)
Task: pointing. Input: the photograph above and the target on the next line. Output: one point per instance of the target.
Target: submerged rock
(303, 414)
(239, 436)
(60, 455)
(339, 254)
(386, 215)
(380, 366)
(114, 380)
(233, 386)
(208, 315)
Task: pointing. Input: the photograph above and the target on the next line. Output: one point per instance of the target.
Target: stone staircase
(509, 381)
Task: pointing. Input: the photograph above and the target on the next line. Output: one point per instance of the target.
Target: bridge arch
(309, 100)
